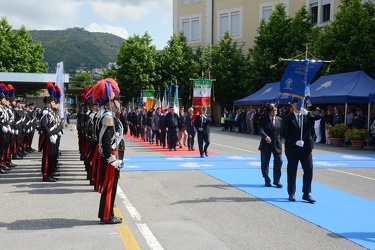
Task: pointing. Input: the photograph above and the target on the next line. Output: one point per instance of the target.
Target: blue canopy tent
(352, 87)
(268, 94)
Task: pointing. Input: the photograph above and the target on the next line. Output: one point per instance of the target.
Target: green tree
(350, 39)
(82, 79)
(137, 66)
(18, 53)
(227, 61)
(281, 37)
(178, 64)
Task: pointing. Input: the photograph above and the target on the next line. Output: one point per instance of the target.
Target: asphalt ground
(176, 200)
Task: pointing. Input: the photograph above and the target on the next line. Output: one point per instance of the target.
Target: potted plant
(357, 137)
(337, 133)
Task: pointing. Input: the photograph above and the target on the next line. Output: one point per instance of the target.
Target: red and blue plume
(57, 92)
(11, 89)
(105, 90)
(83, 97)
(4, 89)
(50, 88)
(88, 94)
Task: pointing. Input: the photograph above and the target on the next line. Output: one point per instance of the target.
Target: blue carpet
(344, 214)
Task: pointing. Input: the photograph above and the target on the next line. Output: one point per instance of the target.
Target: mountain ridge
(77, 48)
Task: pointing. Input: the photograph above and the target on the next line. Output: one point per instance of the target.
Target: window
(266, 13)
(185, 1)
(320, 11)
(230, 21)
(326, 12)
(190, 26)
(314, 14)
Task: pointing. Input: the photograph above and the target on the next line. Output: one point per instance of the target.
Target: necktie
(273, 122)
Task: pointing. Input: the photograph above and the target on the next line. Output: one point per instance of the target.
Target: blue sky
(123, 18)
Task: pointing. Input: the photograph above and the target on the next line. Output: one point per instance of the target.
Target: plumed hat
(50, 88)
(104, 91)
(11, 90)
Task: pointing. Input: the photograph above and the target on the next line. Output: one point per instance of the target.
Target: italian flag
(148, 99)
(202, 92)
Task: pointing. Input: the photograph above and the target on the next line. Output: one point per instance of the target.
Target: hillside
(77, 48)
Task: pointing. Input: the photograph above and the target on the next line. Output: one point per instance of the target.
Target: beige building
(205, 21)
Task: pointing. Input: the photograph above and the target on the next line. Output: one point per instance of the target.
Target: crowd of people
(18, 122)
(167, 129)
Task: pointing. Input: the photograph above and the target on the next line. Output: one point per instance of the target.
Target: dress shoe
(55, 174)
(114, 220)
(49, 180)
(201, 156)
(16, 157)
(192, 149)
(206, 154)
(6, 168)
(10, 165)
(308, 198)
(2, 171)
(291, 197)
(55, 178)
(267, 184)
(278, 184)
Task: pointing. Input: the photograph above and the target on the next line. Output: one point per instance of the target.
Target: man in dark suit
(201, 124)
(298, 148)
(270, 128)
(172, 123)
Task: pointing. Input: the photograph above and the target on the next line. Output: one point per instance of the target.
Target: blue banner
(297, 77)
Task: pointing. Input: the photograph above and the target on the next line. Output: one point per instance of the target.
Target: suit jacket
(292, 132)
(201, 122)
(266, 129)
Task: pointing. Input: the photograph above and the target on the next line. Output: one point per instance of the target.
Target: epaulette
(108, 120)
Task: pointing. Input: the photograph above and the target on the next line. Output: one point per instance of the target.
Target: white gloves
(28, 131)
(300, 143)
(16, 132)
(4, 129)
(59, 134)
(117, 164)
(53, 139)
(12, 131)
(304, 111)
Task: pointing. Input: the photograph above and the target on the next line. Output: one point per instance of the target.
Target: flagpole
(305, 79)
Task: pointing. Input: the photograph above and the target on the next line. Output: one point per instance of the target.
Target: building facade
(206, 21)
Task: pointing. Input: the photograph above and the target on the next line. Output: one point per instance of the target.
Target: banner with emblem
(202, 92)
(297, 77)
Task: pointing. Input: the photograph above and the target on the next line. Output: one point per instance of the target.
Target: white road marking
(151, 240)
(348, 173)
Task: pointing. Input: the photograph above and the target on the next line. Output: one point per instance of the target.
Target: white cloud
(115, 30)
